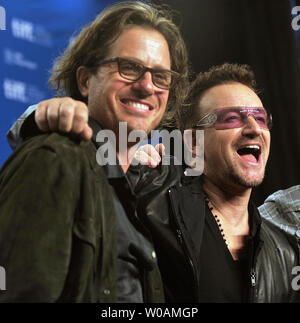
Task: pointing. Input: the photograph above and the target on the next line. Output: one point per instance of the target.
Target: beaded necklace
(216, 219)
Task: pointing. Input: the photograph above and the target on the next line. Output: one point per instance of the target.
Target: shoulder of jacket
(54, 148)
(60, 144)
(287, 200)
(271, 229)
(278, 237)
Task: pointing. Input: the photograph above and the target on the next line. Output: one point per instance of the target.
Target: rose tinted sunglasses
(235, 117)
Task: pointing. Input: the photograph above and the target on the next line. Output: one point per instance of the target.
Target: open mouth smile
(250, 153)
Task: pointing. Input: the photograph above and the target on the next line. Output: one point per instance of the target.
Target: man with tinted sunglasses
(211, 242)
(235, 255)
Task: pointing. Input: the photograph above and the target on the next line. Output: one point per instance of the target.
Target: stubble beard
(240, 180)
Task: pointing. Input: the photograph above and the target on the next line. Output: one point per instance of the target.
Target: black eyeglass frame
(174, 75)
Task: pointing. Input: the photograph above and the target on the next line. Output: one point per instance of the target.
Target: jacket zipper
(183, 243)
(253, 278)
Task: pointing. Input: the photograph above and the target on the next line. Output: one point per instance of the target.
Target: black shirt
(223, 279)
(135, 249)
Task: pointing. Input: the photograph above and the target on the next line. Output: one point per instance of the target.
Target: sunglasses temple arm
(209, 120)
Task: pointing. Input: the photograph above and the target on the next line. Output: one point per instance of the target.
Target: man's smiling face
(235, 156)
(112, 99)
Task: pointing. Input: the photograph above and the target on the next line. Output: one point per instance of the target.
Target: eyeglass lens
(133, 71)
(236, 117)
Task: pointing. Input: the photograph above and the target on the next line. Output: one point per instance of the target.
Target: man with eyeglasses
(211, 242)
(69, 230)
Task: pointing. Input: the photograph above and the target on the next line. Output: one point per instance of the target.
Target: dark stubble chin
(239, 180)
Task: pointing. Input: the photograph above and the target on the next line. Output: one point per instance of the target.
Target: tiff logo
(14, 90)
(296, 20)
(2, 18)
(23, 29)
(2, 279)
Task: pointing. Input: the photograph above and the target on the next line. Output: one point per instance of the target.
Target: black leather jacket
(173, 208)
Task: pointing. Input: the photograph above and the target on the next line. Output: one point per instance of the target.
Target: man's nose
(251, 127)
(144, 84)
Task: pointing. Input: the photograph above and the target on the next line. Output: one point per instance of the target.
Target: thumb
(86, 133)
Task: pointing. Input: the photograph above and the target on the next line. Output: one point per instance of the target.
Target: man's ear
(189, 138)
(83, 77)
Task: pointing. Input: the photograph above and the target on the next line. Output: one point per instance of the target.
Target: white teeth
(138, 106)
(253, 147)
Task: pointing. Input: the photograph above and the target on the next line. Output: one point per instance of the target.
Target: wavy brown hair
(95, 40)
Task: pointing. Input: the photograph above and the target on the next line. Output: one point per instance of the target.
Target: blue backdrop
(36, 32)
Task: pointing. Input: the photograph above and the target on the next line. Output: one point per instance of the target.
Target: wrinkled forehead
(143, 44)
(228, 95)
(240, 110)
